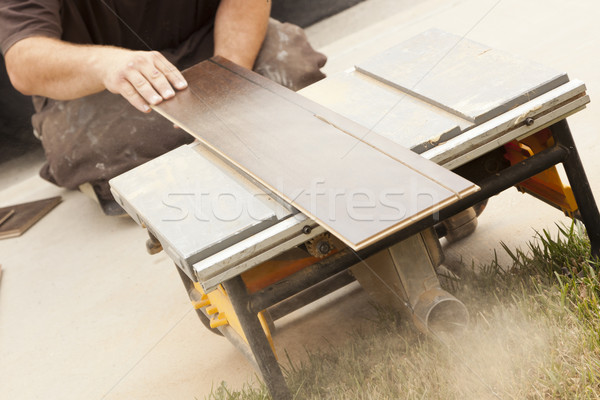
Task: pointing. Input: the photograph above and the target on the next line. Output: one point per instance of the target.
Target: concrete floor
(86, 313)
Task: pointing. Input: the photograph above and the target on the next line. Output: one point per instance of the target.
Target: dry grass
(534, 333)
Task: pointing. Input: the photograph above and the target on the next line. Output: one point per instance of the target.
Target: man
(94, 72)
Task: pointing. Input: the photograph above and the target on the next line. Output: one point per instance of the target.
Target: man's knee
(287, 57)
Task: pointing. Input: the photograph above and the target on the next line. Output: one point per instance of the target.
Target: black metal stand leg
(267, 363)
(580, 185)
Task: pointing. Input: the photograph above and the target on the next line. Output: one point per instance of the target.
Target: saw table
(248, 256)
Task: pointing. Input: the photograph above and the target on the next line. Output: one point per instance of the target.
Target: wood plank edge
(415, 218)
(467, 192)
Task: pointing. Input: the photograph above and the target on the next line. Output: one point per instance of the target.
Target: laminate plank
(314, 162)
(446, 178)
(17, 219)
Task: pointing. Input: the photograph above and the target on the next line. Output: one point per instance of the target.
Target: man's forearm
(240, 28)
(64, 71)
(51, 68)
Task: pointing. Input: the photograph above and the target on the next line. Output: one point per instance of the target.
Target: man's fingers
(157, 79)
(132, 96)
(170, 71)
(144, 78)
(143, 87)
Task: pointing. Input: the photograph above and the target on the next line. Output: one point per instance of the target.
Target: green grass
(534, 333)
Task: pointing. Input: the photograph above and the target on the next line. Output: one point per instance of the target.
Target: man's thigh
(98, 137)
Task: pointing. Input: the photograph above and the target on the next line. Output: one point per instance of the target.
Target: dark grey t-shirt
(133, 24)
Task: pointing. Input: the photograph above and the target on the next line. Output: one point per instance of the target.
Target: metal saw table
(492, 118)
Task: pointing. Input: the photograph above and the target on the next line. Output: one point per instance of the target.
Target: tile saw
(248, 256)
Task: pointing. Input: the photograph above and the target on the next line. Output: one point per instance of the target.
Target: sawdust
(501, 355)
(508, 351)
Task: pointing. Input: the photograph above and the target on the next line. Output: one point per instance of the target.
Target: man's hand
(141, 77)
(63, 71)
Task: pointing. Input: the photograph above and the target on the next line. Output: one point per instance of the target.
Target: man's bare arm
(63, 71)
(240, 27)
